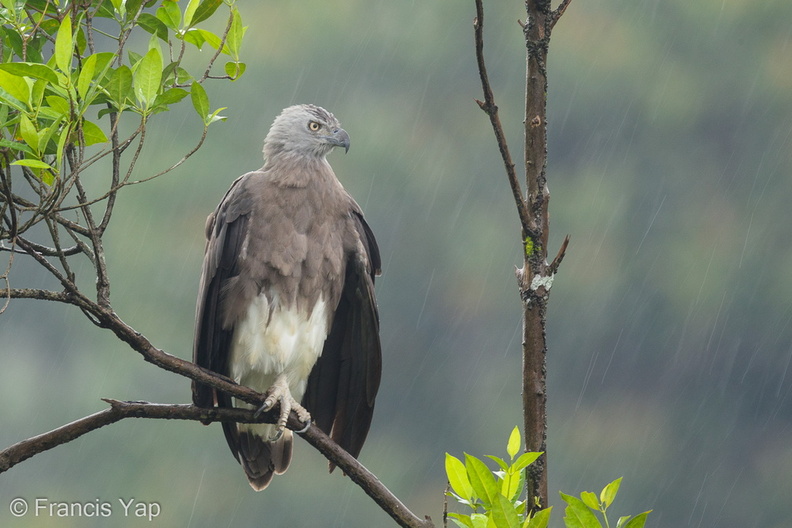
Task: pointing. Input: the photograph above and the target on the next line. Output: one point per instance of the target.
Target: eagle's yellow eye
(314, 126)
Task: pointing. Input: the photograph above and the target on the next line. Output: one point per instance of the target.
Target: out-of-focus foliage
(669, 322)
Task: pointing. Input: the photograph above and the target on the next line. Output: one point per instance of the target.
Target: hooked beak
(340, 138)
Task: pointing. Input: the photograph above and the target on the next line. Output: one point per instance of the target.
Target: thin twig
(559, 12)
(41, 295)
(553, 268)
(5, 279)
(102, 279)
(219, 48)
(491, 109)
(116, 168)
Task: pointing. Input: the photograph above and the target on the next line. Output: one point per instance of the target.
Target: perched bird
(286, 299)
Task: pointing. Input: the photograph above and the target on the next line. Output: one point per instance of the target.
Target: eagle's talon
(280, 393)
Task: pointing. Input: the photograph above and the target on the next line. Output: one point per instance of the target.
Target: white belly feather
(287, 342)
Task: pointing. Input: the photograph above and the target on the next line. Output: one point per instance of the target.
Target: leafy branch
(494, 496)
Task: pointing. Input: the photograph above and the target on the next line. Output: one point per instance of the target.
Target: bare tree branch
(41, 295)
(120, 410)
(559, 12)
(491, 109)
(365, 479)
(536, 276)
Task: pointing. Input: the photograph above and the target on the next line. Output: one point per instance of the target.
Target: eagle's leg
(280, 393)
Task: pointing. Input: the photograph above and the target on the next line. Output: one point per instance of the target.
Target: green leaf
(11, 101)
(638, 521)
(514, 443)
(28, 132)
(32, 163)
(170, 14)
(13, 40)
(153, 25)
(17, 87)
(461, 520)
(171, 96)
(4, 111)
(457, 477)
(31, 69)
(513, 484)
(64, 46)
(42, 170)
(46, 134)
(609, 492)
(501, 463)
(9, 5)
(50, 26)
(189, 11)
(479, 520)
(198, 36)
(194, 37)
(578, 515)
(590, 500)
(622, 520)
(119, 87)
(86, 76)
(235, 69)
(204, 10)
(134, 59)
(133, 6)
(200, 100)
(183, 76)
(481, 479)
(213, 117)
(16, 145)
(37, 93)
(65, 133)
(147, 77)
(80, 42)
(90, 91)
(104, 62)
(525, 460)
(92, 134)
(235, 33)
(539, 519)
(503, 513)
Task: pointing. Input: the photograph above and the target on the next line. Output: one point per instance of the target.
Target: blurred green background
(669, 325)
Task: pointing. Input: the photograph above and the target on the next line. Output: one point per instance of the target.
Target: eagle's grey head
(304, 131)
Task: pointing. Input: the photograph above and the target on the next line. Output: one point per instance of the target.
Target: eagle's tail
(262, 459)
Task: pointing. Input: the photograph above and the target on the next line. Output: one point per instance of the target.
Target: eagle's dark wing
(344, 381)
(225, 232)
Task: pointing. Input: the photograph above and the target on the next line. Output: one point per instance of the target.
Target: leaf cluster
(494, 496)
(52, 74)
(74, 76)
(581, 512)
